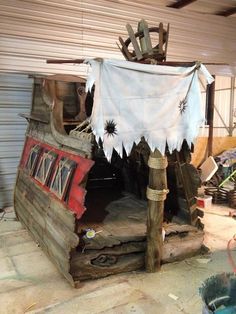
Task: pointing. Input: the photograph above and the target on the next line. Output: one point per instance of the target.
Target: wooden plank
(43, 232)
(59, 61)
(188, 177)
(145, 41)
(34, 117)
(167, 39)
(125, 49)
(57, 209)
(180, 4)
(100, 263)
(65, 77)
(134, 42)
(142, 39)
(95, 263)
(181, 247)
(160, 38)
(83, 148)
(58, 256)
(173, 229)
(126, 263)
(52, 233)
(65, 237)
(121, 50)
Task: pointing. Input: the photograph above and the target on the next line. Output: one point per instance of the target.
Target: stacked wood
(232, 198)
(219, 195)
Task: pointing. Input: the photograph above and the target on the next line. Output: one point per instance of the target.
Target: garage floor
(31, 284)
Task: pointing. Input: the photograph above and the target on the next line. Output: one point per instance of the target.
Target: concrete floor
(31, 284)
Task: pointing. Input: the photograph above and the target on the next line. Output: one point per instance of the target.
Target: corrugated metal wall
(222, 106)
(225, 98)
(33, 31)
(15, 98)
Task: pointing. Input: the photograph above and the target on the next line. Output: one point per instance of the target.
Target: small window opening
(33, 159)
(62, 177)
(44, 169)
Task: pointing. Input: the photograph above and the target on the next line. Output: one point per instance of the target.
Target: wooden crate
(232, 198)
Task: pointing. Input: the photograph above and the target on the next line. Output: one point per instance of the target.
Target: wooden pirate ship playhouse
(90, 215)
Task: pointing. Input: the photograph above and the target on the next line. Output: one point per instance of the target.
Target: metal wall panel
(222, 114)
(222, 105)
(32, 31)
(15, 98)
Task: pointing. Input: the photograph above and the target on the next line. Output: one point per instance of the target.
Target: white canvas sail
(133, 100)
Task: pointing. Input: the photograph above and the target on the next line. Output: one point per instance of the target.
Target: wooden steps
(120, 244)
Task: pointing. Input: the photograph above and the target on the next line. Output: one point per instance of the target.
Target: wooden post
(210, 109)
(156, 194)
(231, 108)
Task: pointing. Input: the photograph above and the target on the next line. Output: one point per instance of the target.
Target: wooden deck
(120, 241)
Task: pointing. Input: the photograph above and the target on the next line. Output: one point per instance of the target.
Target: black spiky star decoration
(182, 105)
(110, 128)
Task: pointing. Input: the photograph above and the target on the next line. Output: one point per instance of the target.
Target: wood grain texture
(134, 42)
(220, 144)
(157, 181)
(118, 249)
(50, 224)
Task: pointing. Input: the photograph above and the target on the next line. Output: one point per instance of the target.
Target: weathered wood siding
(48, 221)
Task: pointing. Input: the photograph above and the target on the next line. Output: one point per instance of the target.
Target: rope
(191, 82)
(156, 195)
(157, 163)
(230, 257)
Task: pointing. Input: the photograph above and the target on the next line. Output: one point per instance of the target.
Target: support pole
(156, 194)
(231, 110)
(210, 102)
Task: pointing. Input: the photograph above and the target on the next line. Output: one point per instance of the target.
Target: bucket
(204, 202)
(219, 294)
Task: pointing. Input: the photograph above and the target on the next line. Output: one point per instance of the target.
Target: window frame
(47, 155)
(63, 163)
(31, 168)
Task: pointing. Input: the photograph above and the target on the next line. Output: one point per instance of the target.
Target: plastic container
(219, 294)
(204, 202)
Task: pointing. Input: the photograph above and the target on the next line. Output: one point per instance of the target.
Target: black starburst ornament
(110, 128)
(182, 105)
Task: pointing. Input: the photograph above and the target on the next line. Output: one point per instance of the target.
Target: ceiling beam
(227, 12)
(180, 4)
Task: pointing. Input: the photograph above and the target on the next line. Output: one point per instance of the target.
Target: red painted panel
(76, 193)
